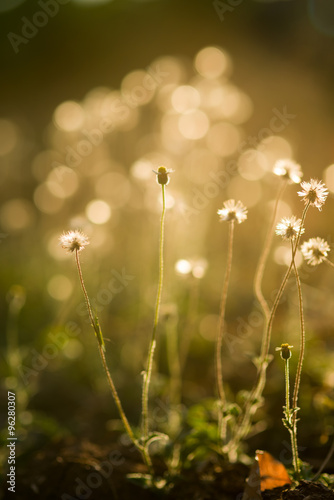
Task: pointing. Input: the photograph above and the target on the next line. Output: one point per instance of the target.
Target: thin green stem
(89, 308)
(300, 362)
(116, 397)
(288, 418)
(221, 326)
(264, 257)
(287, 385)
(149, 366)
(266, 344)
(114, 392)
(289, 414)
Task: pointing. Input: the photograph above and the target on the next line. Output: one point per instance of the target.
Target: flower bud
(285, 351)
(162, 175)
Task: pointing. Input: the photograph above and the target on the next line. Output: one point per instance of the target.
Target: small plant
(289, 419)
(314, 193)
(74, 242)
(163, 180)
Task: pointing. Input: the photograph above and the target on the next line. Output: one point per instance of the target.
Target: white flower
(289, 228)
(288, 169)
(74, 240)
(314, 192)
(315, 250)
(233, 211)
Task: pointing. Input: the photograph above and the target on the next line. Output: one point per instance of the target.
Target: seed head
(289, 228)
(289, 170)
(314, 192)
(163, 175)
(315, 250)
(233, 211)
(74, 240)
(285, 351)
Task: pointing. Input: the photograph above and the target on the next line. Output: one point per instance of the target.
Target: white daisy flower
(289, 170)
(315, 251)
(289, 228)
(233, 211)
(74, 240)
(314, 192)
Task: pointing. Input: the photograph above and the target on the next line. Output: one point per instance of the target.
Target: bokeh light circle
(223, 139)
(194, 124)
(98, 211)
(60, 287)
(329, 177)
(212, 62)
(183, 267)
(69, 116)
(185, 98)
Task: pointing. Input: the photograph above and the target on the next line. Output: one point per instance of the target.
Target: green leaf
(156, 436)
(98, 333)
(143, 480)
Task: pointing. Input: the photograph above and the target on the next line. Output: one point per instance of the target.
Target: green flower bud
(163, 175)
(285, 351)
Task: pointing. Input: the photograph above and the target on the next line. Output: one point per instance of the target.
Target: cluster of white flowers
(314, 193)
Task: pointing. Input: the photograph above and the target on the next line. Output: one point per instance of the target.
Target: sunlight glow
(223, 139)
(194, 124)
(183, 266)
(17, 214)
(60, 287)
(69, 116)
(329, 177)
(185, 98)
(212, 62)
(98, 211)
(62, 182)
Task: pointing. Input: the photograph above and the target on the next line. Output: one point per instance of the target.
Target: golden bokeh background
(96, 95)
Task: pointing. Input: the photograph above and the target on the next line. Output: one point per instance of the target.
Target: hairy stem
(287, 385)
(149, 366)
(288, 419)
(113, 389)
(219, 371)
(264, 257)
(300, 362)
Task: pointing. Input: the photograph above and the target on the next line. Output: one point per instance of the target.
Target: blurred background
(94, 96)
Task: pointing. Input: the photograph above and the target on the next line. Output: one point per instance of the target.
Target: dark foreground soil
(80, 470)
